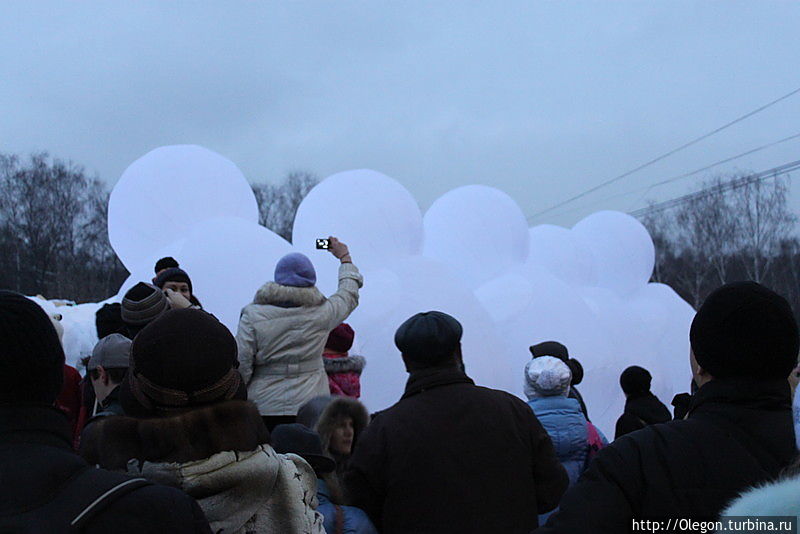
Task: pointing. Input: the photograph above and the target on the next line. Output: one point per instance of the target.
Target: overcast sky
(540, 99)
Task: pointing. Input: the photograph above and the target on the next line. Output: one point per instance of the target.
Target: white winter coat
(281, 337)
(779, 498)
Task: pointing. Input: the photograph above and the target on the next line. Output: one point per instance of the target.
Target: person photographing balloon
(282, 333)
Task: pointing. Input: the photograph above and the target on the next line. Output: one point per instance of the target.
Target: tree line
(737, 229)
(54, 226)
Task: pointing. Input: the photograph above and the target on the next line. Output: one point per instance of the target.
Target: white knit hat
(546, 376)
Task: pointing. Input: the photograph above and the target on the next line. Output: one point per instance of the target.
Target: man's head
(429, 339)
(184, 359)
(635, 381)
(31, 357)
(142, 304)
(109, 364)
(743, 330)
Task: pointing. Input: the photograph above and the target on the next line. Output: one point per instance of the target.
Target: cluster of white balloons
(471, 255)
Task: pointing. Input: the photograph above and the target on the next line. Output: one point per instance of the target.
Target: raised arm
(344, 301)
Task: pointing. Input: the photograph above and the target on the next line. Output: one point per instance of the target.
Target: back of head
(182, 360)
(31, 356)
(428, 339)
(142, 304)
(341, 338)
(165, 263)
(635, 381)
(745, 330)
(546, 376)
(111, 352)
(303, 441)
(295, 270)
(550, 348)
(108, 320)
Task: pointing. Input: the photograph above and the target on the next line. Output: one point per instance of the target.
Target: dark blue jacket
(355, 520)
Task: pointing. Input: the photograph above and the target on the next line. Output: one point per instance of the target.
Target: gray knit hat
(143, 303)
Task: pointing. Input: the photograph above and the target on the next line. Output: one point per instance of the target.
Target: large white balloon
(478, 231)
(161, 195)
(228, 259)
(376, 216)
(623, 252)
(558, 250)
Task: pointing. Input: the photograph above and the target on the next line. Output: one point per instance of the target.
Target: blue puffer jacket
(565, 424)
(355, 520)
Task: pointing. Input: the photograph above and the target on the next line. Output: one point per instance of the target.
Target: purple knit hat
(295, 270)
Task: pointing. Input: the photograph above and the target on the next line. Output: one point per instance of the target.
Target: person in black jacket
(46, 487)
(451, 456)
(642, 408)
(738, 432)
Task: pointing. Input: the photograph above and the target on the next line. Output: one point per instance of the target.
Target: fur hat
(322, 414)
(635, 381)
(745, 329)
(173, 274)
(183, 359)
(31, 358)
(295, 270)
(428, 338)
(341, 338)
(546, 376)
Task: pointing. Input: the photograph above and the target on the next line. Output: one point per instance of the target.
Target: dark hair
(108, 320)
(115, 374)
(165, 263)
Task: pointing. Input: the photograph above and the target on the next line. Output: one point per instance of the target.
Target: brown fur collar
(348, 364)
(194, 435)
(287, 296)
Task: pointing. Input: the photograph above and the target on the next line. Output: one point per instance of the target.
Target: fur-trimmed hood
(275, 294)
(323, 414)
(220, 456)
(779, 498)
(194, 435)
(344, 364)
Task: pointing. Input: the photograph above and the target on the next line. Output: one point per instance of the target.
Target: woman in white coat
(282, 334)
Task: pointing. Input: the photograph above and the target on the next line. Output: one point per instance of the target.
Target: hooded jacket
(220, 456)
(639, 412)
(281, 336)
(738, 434)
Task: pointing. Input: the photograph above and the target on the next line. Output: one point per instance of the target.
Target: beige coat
(281, 337)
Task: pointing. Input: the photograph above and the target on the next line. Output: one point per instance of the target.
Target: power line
(666, 155)
(692, 173)
(719, 188)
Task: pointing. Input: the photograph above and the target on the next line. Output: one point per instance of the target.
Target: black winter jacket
(639, 412)
(454, 457)
(37, 462)
(738, 433)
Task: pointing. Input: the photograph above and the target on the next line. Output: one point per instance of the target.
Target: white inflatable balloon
(621, 247)
(228, 259)
(165, 192)
(376, 216)
(478, 231)
(556, 249)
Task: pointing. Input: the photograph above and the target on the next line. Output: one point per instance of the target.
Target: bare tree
(277, 204)
(764, 222)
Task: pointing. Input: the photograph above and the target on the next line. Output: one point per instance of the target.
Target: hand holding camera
(335, 247)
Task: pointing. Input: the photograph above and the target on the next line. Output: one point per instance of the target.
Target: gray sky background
(540, 99)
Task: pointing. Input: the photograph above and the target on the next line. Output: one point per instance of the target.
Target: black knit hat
(173, 274)
(428, 338)
(304, 442)
(31, 356)
(183, 359)
(744, 329)
(142, 304)
(635, 380)
(165, 263)
(108, 320)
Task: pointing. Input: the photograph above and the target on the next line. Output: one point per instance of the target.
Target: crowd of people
(180, 426)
